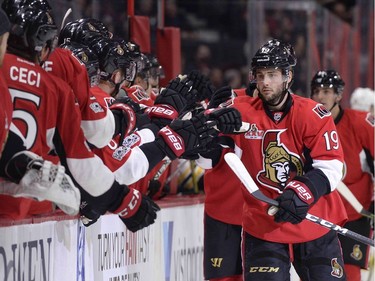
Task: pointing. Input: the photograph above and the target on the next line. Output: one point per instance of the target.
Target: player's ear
(290, 76)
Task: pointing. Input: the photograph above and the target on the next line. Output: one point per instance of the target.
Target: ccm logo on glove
(130, 204)
(302, 191)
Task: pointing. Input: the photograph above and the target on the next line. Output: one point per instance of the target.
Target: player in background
(138, 88)
(156, 73)
(291, 161)
(356, 132)
(98, 123)
(363, 99)
(52, 122)
(222, 222)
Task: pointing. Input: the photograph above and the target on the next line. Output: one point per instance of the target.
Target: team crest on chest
(279, 164)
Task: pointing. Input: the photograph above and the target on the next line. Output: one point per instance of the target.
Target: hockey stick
(68, 12)
(240, 170)
(349, 196)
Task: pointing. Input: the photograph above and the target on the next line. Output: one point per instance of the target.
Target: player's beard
(272, 99)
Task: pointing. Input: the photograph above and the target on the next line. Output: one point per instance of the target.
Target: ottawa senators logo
(337, 270)
(279, 163)
(357, 253)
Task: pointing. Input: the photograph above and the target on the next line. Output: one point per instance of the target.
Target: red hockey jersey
(48, 117)
(279, 146)
(356, 132)
(97, 121)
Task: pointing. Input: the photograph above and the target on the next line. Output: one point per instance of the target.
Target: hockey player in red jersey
(98, 123)
(294, 155)
(222, 224)
(137, 90)
(46, 114)
(356, 132)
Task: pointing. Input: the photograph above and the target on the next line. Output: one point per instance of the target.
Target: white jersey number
(25, 116)
(332, 140)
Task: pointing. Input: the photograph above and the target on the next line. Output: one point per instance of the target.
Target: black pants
(317, 260)
(222, 249)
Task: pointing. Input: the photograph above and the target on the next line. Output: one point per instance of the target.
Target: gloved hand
(294, 202)
(175, 95)
(125, 119)
(153, 188)
(135, 210)
(139, 213)
(185, 88)
(161, 114)
(202, 84)
(220, 96)
(186, 136)
(227, 119)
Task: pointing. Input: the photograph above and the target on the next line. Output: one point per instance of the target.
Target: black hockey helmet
(31, 30)
(274, 54)
(156, 70)
(85, 31)
(143, 66)
(86, 57)
(328, 79)
(68, 31)
(12, 6)
(111, 55)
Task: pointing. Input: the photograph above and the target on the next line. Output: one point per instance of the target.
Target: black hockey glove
(185, 88)
(295, 201)
(185, 137)
(135, 210)
(202, 84)
(143, 214)
(227, 119)
(174, 95)
(220, 96)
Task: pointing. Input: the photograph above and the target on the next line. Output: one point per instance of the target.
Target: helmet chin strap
(116, 89)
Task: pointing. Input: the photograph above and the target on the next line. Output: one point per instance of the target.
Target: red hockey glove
(227, 119)
(125, 119)
(295, 201)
